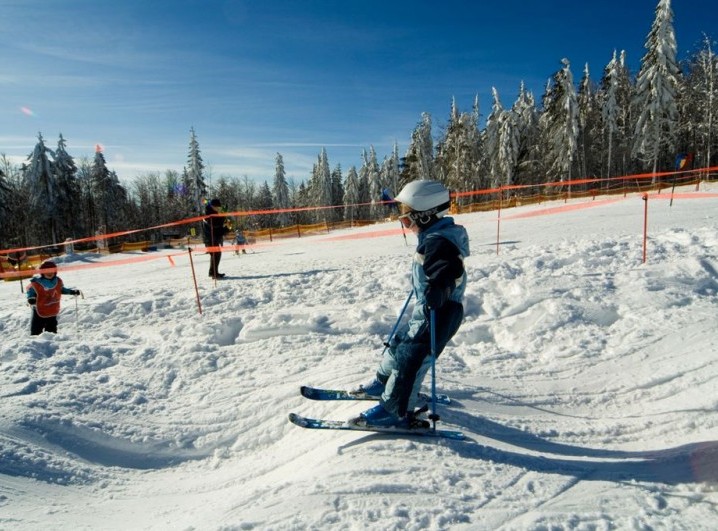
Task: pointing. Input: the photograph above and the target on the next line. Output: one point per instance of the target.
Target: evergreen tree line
(621, 125)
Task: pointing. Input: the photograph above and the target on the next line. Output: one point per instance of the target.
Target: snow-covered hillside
(585, 381)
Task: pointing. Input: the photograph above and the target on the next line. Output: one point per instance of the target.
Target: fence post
(194, 278)
(645, 225)
(498, 220)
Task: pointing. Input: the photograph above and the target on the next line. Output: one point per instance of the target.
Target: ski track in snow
(585, 381)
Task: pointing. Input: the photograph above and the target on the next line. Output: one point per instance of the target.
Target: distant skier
(43, 294)
(214, 231)
(240, 240)
(439, 281)
(17, 259)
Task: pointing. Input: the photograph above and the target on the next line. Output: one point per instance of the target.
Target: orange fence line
(199, 248)
(568, 184)
(26, 273)
(576, 182)
(371, 234)
(78, 267)
(564, 208)
(692, 195)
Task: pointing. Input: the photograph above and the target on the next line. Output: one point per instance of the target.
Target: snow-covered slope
(585, 381)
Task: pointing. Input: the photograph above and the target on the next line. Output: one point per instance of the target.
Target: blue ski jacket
(438, 265)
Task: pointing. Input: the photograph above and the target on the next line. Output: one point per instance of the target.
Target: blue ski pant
(406, 363)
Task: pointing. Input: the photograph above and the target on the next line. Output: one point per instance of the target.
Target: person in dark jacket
(43, 294)
(214, 230)
(439, 281)
(17, 259)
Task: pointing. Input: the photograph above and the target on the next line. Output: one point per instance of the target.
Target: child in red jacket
(43, 294)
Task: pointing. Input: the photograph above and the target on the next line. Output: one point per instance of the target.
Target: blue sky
(291, 76)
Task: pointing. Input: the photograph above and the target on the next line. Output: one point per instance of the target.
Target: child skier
(239, 239)
(43, 294)
(439, 281)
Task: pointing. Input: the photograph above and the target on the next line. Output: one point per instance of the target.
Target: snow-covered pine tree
(609, 110)
(351, 195)
(88, 209)
(376, 209)
(322, 188)
(109, 196)
(337, 192)
(265, 201)
(195, 168)
(390, 171)
(656, 90)
(478, 179)
(68, 192)
(303, 200)
(561, 122)
(491, 139)
(457, 151)
(280, 190)
(5, 196)
(118, 218)
(39, 178)
(508, 146)
(419, 158)
(526, 123)
(589, 126)
(699, 107)
(626, 121)
(363, 195)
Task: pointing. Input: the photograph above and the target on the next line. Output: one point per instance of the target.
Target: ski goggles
(407, 216)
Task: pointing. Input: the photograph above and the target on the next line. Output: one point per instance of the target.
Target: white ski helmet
(428, 201)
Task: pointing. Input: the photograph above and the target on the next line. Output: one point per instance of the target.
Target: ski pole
(194, 279)
(396, 325)
(77, 316)
(432, 327)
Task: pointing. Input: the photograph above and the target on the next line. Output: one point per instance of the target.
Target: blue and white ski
(315, 393)
(322, 424)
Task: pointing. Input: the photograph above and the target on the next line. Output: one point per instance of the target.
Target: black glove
(436, 297)
(32, 301)
(75, 292)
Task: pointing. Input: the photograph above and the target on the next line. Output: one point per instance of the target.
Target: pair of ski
(314, 393)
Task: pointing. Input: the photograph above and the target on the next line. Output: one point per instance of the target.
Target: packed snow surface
(585, 380)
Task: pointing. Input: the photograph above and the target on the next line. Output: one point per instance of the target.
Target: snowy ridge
(584, 380)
